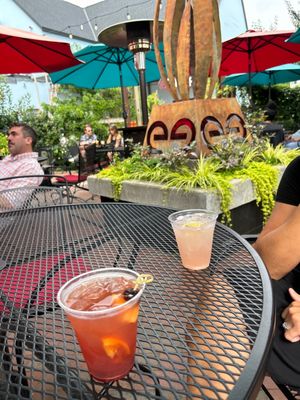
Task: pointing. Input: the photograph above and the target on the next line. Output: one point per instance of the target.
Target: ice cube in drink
(194, 231)
(103, 308)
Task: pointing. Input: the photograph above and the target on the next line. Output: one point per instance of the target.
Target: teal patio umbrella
(271, 76)
(295, 37)
(106, 67)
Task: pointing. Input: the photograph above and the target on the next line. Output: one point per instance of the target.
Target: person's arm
(291, 316)
(281, 212)
(108, 139)
(295, 139)
(278, 245)
(5, 203)
(118, 141)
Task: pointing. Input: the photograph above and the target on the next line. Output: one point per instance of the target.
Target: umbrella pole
(269, 86)
(123, 96)
(250, 92)
(125, 115)
(250, 89)
(249, 74)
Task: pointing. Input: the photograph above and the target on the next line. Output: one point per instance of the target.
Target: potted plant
(237, 172)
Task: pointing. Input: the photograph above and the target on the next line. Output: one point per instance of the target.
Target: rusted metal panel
(163, 75)
(185, 121)
(203, 28)
(183, 53)
(216, 49)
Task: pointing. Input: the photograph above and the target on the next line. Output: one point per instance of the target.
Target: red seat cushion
(21, 280)
(72, 178)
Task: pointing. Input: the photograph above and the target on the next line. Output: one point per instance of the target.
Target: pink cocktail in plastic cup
(103, 307)
(194, 230)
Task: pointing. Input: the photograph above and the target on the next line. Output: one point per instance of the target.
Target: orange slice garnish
(115, 348)
(131, 315)
(118, 300)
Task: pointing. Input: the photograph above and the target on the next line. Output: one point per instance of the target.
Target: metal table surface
(202, 334)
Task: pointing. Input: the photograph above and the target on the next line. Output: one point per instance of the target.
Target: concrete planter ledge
(246, 216)
(155, 194)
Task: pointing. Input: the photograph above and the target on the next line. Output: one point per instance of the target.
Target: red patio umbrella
(255, 51)
(26, 52)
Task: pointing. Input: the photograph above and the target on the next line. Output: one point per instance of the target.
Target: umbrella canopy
(271, 76)
(26, 52)
(295, 38)
(106, 67)
(255, 51)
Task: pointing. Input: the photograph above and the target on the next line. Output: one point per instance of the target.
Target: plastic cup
(194, 230)
(107, 337)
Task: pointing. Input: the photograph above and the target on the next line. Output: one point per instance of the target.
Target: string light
(128, 16)
(70, 33)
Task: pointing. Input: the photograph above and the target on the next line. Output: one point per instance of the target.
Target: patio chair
(30, 196)
(273, 131)
(48, 164)
(84, 165)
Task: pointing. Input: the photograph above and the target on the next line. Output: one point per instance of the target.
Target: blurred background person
(86, 139)
(115, 140)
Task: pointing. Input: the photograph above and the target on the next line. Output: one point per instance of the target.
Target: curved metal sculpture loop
(192, 47)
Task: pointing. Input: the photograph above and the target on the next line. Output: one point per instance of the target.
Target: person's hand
(291, 316)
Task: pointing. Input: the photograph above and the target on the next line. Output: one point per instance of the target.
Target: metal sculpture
(192, 47)
(192, 52)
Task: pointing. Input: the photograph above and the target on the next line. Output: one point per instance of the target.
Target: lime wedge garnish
(193, 224)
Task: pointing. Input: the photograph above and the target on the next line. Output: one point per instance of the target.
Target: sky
(263, 10)
(267, 10)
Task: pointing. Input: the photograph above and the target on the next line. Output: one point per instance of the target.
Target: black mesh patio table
(201, 334)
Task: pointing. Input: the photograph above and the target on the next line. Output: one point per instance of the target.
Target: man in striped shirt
(21, 161)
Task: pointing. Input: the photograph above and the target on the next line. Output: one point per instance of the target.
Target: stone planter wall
(154, 194)
(246, 216)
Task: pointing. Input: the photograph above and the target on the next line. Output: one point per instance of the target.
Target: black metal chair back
(48, 164)
(18, 194)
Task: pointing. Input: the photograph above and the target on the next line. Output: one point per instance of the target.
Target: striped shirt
(19, 165)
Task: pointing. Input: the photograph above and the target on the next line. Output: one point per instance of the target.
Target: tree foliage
(294, 14)
(287, 100)
(66, 116)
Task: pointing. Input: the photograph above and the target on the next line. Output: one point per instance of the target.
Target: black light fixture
(137, 37)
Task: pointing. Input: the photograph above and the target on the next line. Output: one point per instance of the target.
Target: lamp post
(137, 37)
(138, 41)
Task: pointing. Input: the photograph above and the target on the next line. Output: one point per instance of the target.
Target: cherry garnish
(129, 293)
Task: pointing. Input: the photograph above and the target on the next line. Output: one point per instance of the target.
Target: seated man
(292, 141)
(279, 248)
(86, 139)
(21, 161)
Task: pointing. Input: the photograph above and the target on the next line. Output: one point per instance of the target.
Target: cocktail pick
(143, 279)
